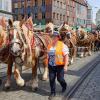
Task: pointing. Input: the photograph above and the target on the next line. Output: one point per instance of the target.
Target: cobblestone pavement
(25, 93)
(90, 89)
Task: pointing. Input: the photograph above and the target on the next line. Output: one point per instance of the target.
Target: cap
(55, 33)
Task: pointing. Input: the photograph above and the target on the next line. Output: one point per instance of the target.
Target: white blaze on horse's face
(15, 43)
(68, 35)
(15, 48)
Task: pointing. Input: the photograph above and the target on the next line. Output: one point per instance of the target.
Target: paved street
(90, 89)
(74, 73)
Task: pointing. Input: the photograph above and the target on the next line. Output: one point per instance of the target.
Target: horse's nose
(68, 36)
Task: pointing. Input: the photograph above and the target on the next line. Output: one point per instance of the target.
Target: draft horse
(20, 50)
(85, 40)
(69, 38)
(5, 54)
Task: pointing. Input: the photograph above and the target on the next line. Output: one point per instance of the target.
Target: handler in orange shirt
(57, 63)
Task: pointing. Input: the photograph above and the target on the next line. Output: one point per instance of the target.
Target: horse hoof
(44, 79)
(34, 89)
(71, 63)
(20, 82)
(7, 86)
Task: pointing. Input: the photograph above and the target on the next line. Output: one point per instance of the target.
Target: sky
(95, 6)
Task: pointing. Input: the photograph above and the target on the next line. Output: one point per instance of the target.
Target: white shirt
(65, 49)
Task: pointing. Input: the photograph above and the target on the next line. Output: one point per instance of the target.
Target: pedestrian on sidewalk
(57, 63)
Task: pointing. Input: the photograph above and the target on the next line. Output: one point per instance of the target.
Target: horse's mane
(16, 24)
(1, 28)
(64, 27)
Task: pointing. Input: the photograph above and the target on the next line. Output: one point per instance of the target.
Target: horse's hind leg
(90, 51)
(34, 78)
(9, 73)
(19, 80)
(45, 74)
(73, 54)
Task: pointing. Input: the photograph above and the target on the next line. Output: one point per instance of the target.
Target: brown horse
(69, 38)
(85, 40)
(97, 41)
(5, 55)
(27, 52)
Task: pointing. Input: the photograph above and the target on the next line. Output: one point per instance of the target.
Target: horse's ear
(64, 24)
(22, 22)
(3, 22)
(10, 22)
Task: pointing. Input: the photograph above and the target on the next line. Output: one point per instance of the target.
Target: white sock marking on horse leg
(45, 74)
(81, 55)
(72, 60)
(90, 53)
(8, 83)
(37, 51)
(19, 80)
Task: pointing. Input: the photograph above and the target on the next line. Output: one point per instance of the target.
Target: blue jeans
(56, 71)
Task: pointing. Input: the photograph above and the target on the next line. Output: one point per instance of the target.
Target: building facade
(76, 12)
(5, 8)
(89, 17)
(39, 9)
(81, 12)
(70, 12)
(58, 11)
(98, 17)
(42, 11)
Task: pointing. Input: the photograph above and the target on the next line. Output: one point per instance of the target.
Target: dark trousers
(56, 71)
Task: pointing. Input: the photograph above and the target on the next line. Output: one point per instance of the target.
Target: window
(43, 2)
(60, 16)
(22, 10)
(63, 17)
(22, 3)
(84, 22)
(15, 5)
(28, 9)
(28, 2)
(54, 15)
(36, 15)
(57, 16)
(61, 4)
(16, 10)
(43, 15)
(57, 3)
(89, 14)
(36, 2)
